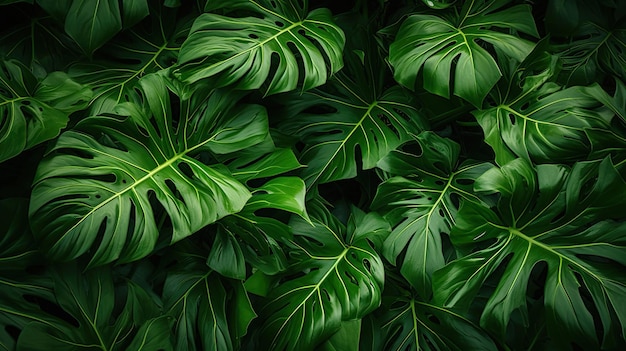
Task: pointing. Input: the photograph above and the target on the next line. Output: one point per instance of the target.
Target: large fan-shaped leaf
(210, 314)
(341, 279)
(86, 316)
(100, 185)
(558, 216)
(422, 203)
(33, 111)
(437, 46)
(333, 125)
(281, 48)
(116, 70)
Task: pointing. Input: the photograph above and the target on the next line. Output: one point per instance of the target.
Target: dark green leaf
(341, 278)
(554, 215)
(422, 203)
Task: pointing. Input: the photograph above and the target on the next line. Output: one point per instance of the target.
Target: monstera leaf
(422, 203)
(93, 23)
(33, 111)
(405, 322)
(281, 45)
(542, 121)
(210, 313)
(144, 49)
(260, 235)
(345, 120)
(105, 183)
(593, 51)
(340, 278)
(436, 46)
(86, 316)
(554, 215)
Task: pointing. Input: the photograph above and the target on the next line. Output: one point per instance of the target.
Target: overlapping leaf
(210, 313)
(449, 51)
(422, 202)
(405, 322)
(144, 49)
(554, 215)
(341, 279)
(344, 121)
(284, 47)
(103, 184)
(92, 23)
(542, 121)
(33, 111)
(91, 319)
(593, 51)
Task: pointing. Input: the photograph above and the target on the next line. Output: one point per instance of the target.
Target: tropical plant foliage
(312, 175)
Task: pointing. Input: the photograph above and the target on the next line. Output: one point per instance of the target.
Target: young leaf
(422, 204)
(34, 111)
(549, 214)
(281, 46)
(100, 184)
(342, 279)
(432, 44)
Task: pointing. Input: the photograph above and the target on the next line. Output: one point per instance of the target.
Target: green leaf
(545, 214)
(348, 120)
(18, 253)
(340, 278)
(405, 322)
(91, 319)
(33, 110)
(431, 44)
(105, 183)
(143, 49)
(422, 204)
(200, 301)
(346, 339)
(543, 121)
(281, 49)
(593, 52)
(93, 23)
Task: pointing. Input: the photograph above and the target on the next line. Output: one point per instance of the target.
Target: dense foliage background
(312, 175)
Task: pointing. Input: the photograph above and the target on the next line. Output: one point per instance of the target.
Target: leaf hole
(25, 102)
(558, 217)
(186, 169)
(525, 106)
(512, 118)
(402, 114)
(351, 278)
(326, 294)
(441, 213)
(456, 200)
(439, 182)
(253, 36)
(279, 24)
(464, 181)
(434, 319)
(367, 265)
(302, 32)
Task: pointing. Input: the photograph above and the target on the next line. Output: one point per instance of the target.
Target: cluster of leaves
(323, 175)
